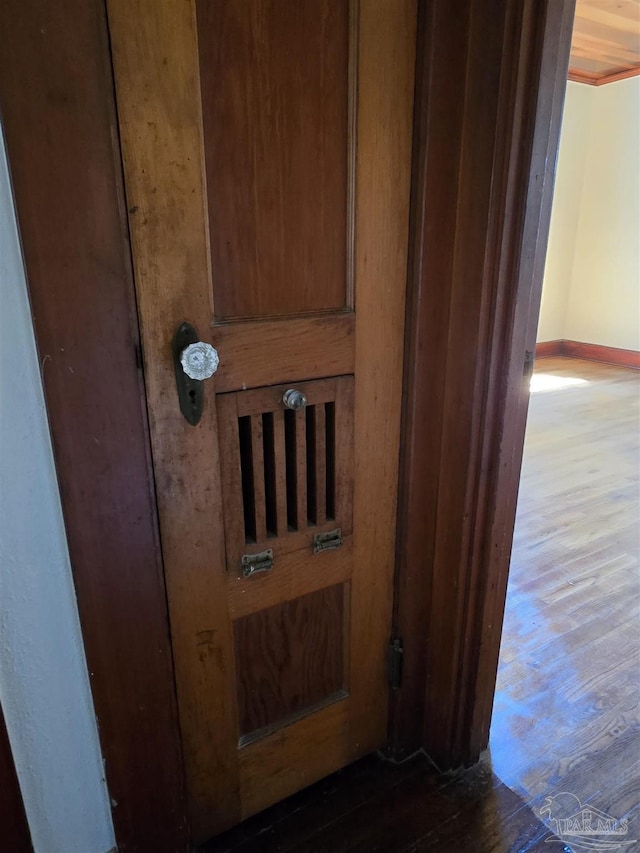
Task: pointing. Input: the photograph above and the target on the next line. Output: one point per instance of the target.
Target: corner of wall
(44, 684)
(604, 298)
(565, 214)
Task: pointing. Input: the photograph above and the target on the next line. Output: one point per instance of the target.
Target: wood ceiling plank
(606, 39)
(600, 47)
(625, 38)
(618, 21)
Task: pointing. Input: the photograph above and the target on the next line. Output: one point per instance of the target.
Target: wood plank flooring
(379, 807)
(567, 707)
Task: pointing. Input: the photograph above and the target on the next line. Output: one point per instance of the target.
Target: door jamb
(485, 147)
(59, 119)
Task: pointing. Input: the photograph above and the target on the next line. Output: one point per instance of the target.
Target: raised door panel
(274, 79)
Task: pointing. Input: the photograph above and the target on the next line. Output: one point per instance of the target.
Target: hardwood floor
(567, 707)
(567, 714)
(379, 807)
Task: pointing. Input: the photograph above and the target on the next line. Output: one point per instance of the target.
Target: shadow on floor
(375, 805)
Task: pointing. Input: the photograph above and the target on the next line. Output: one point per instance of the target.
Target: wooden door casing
(349, 322)
(487, 133)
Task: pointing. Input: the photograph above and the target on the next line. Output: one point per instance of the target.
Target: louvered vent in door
(287, 473)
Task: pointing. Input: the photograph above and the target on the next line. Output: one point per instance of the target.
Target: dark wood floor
(567, 707)
(378, 806)
(566, 715)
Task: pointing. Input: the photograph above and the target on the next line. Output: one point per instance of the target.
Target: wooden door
(267, 150)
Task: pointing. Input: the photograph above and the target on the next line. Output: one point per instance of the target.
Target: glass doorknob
(199, 360)
(294, 399)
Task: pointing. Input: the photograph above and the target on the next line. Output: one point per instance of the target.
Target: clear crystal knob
(294, 399)
(199, 360)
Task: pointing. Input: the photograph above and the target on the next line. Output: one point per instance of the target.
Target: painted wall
(591, 289)
(44, 686)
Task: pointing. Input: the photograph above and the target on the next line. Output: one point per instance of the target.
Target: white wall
(44, 687)
(591, 287)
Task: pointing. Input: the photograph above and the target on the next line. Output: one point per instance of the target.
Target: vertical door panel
(274, 82)
(255, 216)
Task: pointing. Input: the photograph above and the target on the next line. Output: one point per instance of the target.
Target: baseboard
(549, 349)
(590, 352)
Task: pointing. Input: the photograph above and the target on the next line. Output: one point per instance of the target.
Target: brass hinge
(396, 652)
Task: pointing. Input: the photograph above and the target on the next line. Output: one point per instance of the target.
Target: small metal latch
(253, 564)
(327, 541)
(396, 652)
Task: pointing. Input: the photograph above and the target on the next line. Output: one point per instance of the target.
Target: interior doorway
(566, 715)
(567, 706)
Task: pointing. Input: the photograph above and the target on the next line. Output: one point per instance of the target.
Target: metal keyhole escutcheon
(193, 362)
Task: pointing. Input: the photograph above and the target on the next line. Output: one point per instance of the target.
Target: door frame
(469, 349)
(59, 120)
(449, 610)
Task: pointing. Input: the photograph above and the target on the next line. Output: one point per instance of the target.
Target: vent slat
(310, 423)
(291, 468)
(280, 461)
(321, 465)
(301, 467)
(330, 456)
(246, 473)
(270, 475)
(257, 450)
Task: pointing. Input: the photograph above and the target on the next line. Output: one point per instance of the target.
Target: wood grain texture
(156, 72)
(297, 572)
(594, 80)
(618, 75)
(483, 173)
(155, 59)
(299, 349)
(591, 352)
(395, 808)
(55, 75)
(434, 201)
(385, 118)
(298, 445)
(289, 657)
(274, 82)
(320, 463)
(541, 119)
(14, 830)
(294, 757)
(567, 707)
(257, 458)
(605, 42)
(280, 462)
